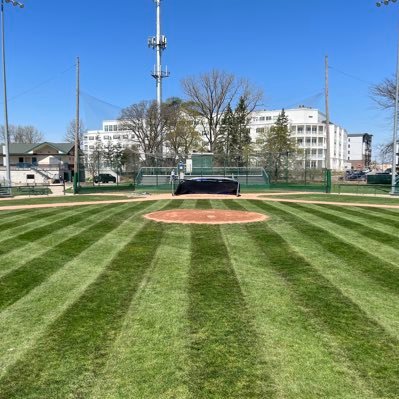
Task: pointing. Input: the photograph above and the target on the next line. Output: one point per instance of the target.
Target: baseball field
(98, 302)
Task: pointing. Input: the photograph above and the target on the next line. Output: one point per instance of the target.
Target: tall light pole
(395, 117)
(6, 135)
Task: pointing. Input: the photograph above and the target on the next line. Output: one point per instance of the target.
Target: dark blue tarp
(208, 185)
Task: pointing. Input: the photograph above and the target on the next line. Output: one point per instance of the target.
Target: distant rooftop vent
(304, 106)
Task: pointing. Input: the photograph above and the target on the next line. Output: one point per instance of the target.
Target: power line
(42, 83)
(87, 95)
(351, 76)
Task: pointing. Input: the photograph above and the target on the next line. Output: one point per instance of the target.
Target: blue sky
(278, 45)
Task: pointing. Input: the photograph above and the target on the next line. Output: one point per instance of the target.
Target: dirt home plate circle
(205, 216)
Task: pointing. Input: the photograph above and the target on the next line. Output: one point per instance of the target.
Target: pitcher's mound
(205, 216)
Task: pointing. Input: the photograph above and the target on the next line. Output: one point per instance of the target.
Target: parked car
(104, 178)
(356, 176)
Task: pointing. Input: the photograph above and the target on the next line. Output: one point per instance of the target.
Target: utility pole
(158, 42)
(328, 149)
(395, 117)
(77, 129)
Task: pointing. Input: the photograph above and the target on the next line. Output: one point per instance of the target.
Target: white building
(111, 132)
(359, 150)
(308, 128)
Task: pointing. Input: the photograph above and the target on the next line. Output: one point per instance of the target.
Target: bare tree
(384, 93)
(181, 135)
(71, 129)
(94, 161)
(22, 134)
(210, 93)
(147, 125)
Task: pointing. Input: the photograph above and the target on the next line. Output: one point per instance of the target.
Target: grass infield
(98, 302)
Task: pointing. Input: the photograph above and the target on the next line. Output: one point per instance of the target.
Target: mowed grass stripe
(298, 361)
(32, 220)
(370, 349)
(20, 281)
(366, 229)
(379, 222)
(224, 344)
(24, 322)
(149, 357)
(9, 221)
(16, 255)
(42, 228)
(65, 361)
(20, 256)
(379, 303)
(382, 272)
(375, 212)
(203, 204)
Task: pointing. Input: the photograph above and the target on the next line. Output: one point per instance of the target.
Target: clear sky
(278, 45)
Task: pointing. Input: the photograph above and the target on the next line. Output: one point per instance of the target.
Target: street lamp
(395, 117)
(6, 135)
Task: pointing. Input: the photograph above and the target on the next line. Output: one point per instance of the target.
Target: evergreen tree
(223, 144)
(241, 138)
(108, 154)
(278, 145)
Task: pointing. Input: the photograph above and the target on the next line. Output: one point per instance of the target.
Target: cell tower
(158, 42)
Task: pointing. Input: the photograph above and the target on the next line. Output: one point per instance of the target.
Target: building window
(91, 137)
(260, 130)
(268, 118)
(106, 128)
(106, 137)
(299, 141)
(125, 136)
(300, 129)
(262, 118)
(314, 140)
(117, 136)
(349, 146)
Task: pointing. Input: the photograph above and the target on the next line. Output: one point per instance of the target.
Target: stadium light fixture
(395, 116)
(6, 135)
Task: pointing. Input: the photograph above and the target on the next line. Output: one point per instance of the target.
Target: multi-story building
(111, 132)
(359, 150)
(308, 127)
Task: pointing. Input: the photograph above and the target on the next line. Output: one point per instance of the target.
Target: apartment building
(359, 150)
(111, 132)
(309, 130)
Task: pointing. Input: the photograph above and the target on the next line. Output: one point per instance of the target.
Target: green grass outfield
(338, 198)
(61, 199)
(98, 302)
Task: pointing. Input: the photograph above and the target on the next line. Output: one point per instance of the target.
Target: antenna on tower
(158, 42)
